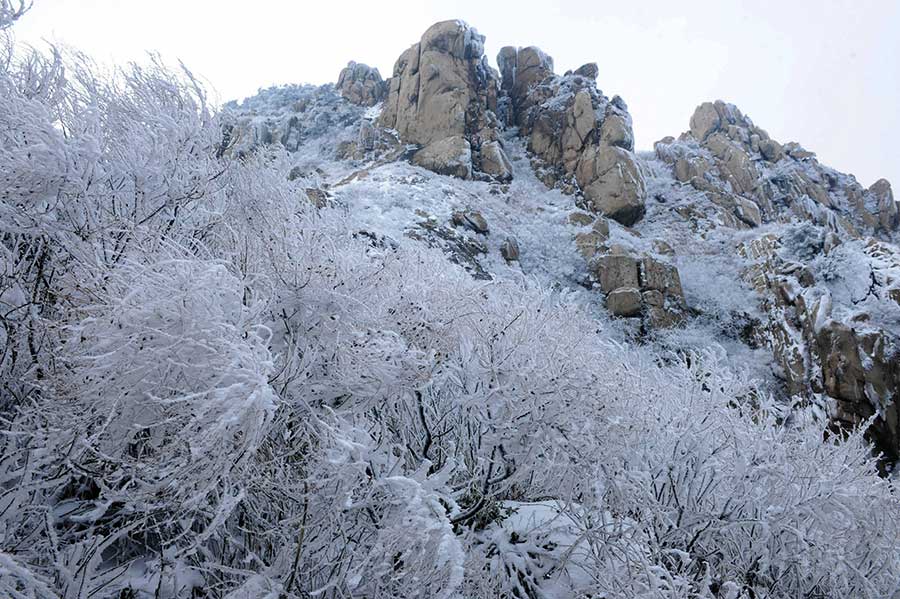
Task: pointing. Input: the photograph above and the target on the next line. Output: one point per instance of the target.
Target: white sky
(825, 73)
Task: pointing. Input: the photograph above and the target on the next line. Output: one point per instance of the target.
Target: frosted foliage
(11, 11)
(174, 351)
(211, 389)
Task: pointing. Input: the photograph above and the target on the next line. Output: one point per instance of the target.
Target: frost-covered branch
(12, 10)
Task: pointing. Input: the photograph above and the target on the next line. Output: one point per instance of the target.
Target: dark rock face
(861, 372)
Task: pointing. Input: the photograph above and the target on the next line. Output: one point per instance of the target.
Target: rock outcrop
(493, 161)
(361, 84)
(884, 205)
(443, 97)
(576, 132)
(447, 156)
(521, 69)
(861, 372)
(284, 116)
(753, 179)
(851, 361)
(443, 89)
(640, 286)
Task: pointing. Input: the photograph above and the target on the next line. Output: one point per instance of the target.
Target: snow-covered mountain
(442, 335)
(722, 235)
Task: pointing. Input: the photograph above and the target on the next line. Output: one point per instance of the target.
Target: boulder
(734, 163)
(574, 132)
(687, 168)
(616, 130)
(494, 161)
(615, 271)
(591, 243)
(612, 183)
(798, 152)
(771, 150)
(367, 137)
(601, 227)
(506, 62)
(659, 313)
(589, 70)
(447, 156)
(748, 212)
(624, 302)
(885, 207)
(653, 287)
(509, 249)
(472, 220)
(705, 121)
(659, 276)
(361, 84)
(721, 117)
(520, 70)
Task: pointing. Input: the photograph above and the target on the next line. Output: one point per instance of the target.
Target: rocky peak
(580, 138)
(589, 70)
(361, 84)
(711, 117)
(884, 205)
(844, 350)
(753, 179)
(520, 70)
(443, 97)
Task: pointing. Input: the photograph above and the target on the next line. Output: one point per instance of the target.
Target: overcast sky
(825, 73)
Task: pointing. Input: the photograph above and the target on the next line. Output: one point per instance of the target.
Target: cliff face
(824, 262)
(722, 235)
